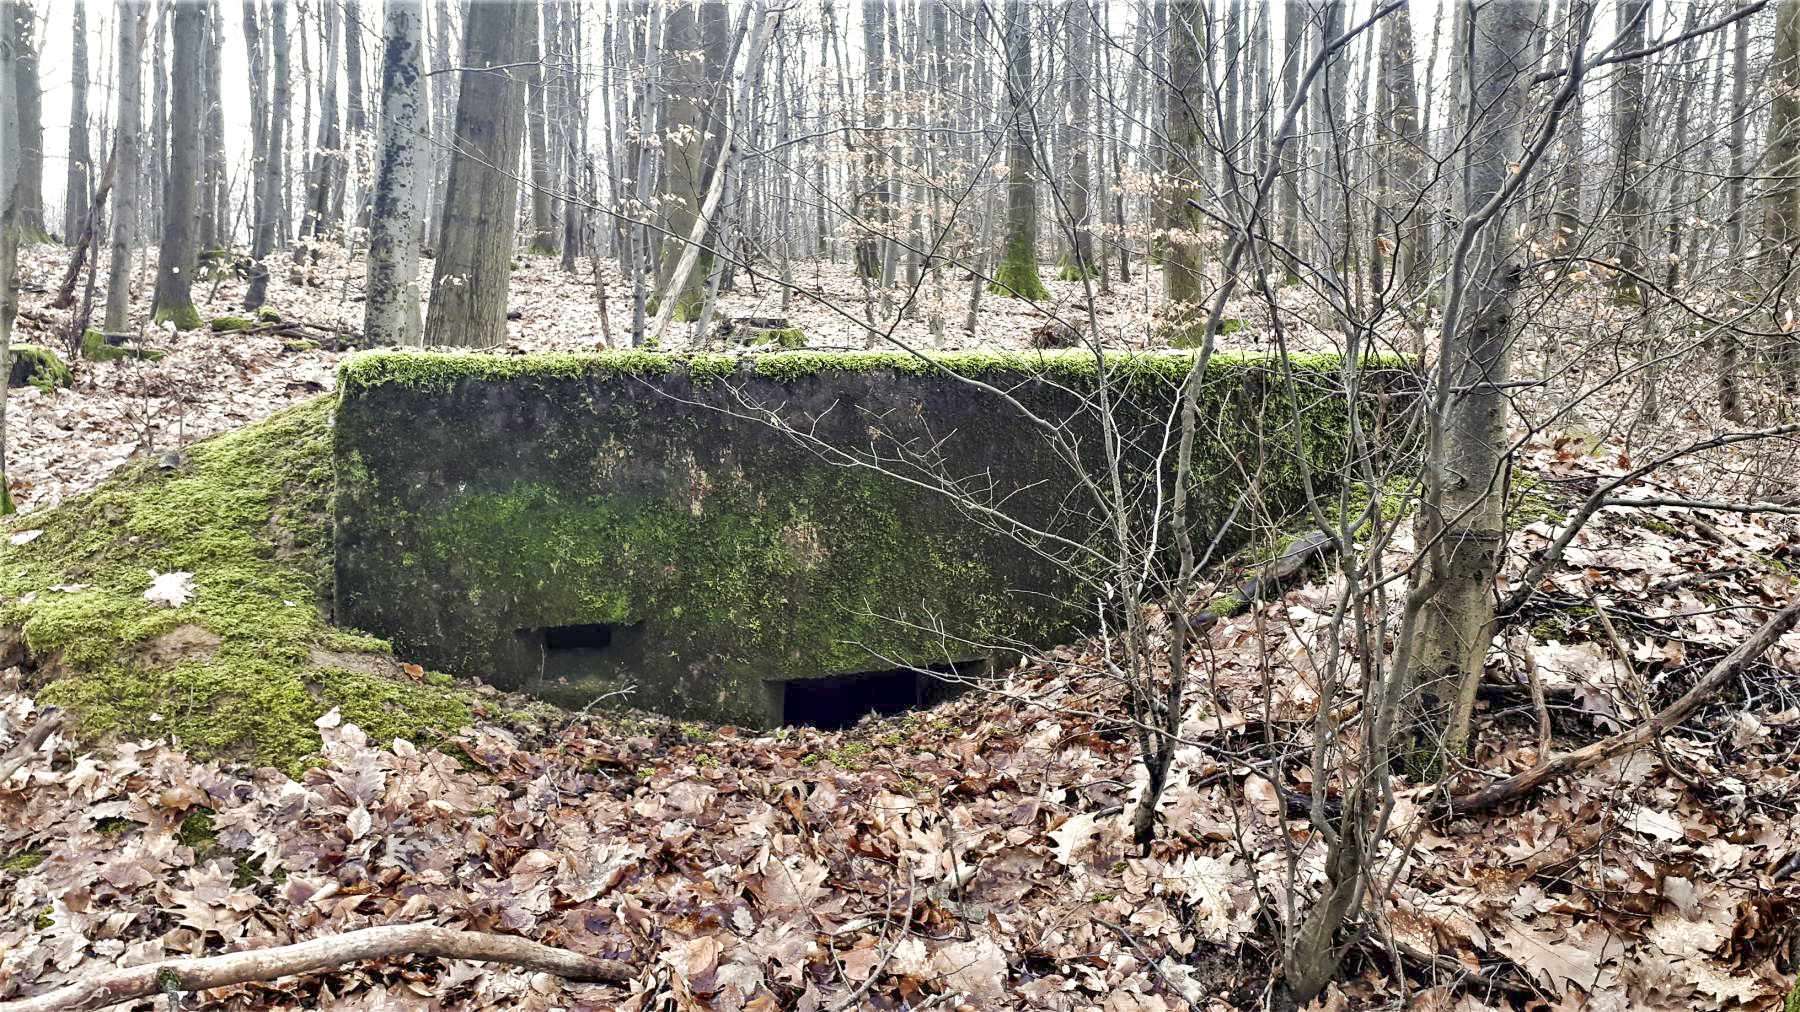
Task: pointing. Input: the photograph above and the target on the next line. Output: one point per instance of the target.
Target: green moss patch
(221, 324)
(233, 671)
(37, 366)
(96, 348)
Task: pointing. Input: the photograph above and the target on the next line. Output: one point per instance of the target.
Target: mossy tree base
(1017, 277)
(38, 366)
(577, 524)
(244, 668)
(183, 317)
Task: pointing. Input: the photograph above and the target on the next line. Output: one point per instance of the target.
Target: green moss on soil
(38, 366)
(22, 862)
(248, 517)
(96, 348)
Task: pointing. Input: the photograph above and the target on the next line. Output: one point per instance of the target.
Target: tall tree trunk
(1781, 200)
(1566, 214)
(267, 139)
(80, 176)
(1628, 127)
(391, 314)
(1017, 274)
(1461, 515)
(210, 205)
(357, 117)
(133, 18)
(685, 148)
(1403, 161)
(320, 218)
(475, 240)
(544, 232)
(1077, 84)
(157, 167)
(1740, 282)
(279, 50)
(1184, 286)
(176, 254)
(28, 196)
(10, 158)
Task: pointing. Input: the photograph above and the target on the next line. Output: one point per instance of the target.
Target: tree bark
(176, 254)
(28, 222)
(1461, 515)
(111, 987)
(544, 233)
(132, 19)
(80, 175)
(391, 313)
(475, 239)
(10, 158)
(1017, 274)
(1781, 200)
(1184, 286)
(1628, 127)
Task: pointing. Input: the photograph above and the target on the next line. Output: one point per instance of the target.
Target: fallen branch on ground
(126, 983)
(22, 750)
(1590, 755)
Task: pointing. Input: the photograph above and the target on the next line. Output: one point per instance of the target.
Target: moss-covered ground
(244, 668)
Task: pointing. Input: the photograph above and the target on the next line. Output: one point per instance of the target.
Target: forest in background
(1508, 721)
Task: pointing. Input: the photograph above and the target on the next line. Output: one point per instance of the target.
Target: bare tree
(474, 261)
(391, 313)
(178, 251)
(126, 145)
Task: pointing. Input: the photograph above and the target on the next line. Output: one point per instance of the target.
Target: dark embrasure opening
(839, 701)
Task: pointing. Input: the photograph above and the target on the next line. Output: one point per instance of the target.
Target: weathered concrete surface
(642, 509)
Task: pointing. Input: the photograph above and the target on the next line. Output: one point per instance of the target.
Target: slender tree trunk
(28, 211)
(132, 21)
(11, 12)
(1461, 517)
(1404, 154)
(177, 253)
(474, 261)
(1184, 286)
(267, 141)
(278, 133)
(320, 217)
(1628, 125)
(544, 233)
(391, 314)
(1017, 274)
(210, 203)
(80, 176)
(1740, 281)
(1077, 85)
(1781, 199)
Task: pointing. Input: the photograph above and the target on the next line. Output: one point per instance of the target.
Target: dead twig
(1589, 755)
(126, 983)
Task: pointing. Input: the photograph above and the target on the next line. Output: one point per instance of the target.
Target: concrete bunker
(754, 540)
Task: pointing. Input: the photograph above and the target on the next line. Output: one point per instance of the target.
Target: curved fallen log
(125, 983)
(1590, 755)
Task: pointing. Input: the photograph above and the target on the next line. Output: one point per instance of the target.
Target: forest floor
(972, 855)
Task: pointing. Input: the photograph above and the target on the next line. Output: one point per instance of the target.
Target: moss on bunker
(248, 517)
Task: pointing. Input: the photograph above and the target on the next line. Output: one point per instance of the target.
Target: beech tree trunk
(391, 313)
(80, 175)
(543, 224)
(475, 239)
(1184, 136)
(132, 20)
(1781, 200)
(1017, 274)
(28, 183)
(1461, 513)
(178, 250)
(10, 157)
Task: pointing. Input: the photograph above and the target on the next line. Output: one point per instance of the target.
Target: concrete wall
(701, 530)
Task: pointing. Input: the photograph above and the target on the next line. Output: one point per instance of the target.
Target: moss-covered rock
(182, 317)
(244, 668)
(639, 503)
(267, 314)
(98, 347)
(38, 366)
